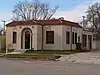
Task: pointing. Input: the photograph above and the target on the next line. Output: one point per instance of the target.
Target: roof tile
(44, 22)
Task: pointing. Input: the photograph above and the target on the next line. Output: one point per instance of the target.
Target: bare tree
(34, 10)
(93, 16)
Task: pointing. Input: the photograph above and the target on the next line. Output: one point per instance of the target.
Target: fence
(2, 43)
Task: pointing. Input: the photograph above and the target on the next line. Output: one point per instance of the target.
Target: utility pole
(4, 33)
(83, 21)
(4, 23)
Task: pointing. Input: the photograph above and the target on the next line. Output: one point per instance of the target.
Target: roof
(44, 22)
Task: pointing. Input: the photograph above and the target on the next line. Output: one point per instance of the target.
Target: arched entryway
(26, 38)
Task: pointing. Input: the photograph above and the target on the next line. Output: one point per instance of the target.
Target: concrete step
(17, 51)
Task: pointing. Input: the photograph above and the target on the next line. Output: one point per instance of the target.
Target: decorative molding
(67, 28)
(74, 29)
(48, 27)
(20, 27)
(15, 28)
(26, 27)
(32, 26)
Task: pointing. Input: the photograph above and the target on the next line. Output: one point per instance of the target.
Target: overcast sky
(72, 10)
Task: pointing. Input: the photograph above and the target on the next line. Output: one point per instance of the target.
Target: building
(2, 43)
(55, 34)
(96, 37)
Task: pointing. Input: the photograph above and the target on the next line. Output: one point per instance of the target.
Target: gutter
(62, 33)
(71, 39)
(42, 37)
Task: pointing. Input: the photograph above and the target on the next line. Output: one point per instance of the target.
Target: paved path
(20, 67)
(88, 58)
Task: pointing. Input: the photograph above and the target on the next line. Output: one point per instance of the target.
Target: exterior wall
(18, 29)
(89, 33)
(57, 37)
(96, 41)
(2, 42)
(9, 31)
(79, 34)
(94, 45)
(97, 45)
(39, 37)
(73, 29)
(66, 46)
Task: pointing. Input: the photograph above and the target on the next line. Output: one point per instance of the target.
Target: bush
(78, 46)
(3, 50)
(56, 57)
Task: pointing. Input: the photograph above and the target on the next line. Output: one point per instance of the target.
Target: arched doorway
(26, 38)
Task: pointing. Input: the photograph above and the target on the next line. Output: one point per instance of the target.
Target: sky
(71, 10)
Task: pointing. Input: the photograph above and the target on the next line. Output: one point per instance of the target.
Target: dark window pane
(84, 40)
(75, 38)
(72, 37)
(49, 37)
(67, 37)
(78, 39)
(14, 37)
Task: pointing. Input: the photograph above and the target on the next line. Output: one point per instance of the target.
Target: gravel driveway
(88, 58)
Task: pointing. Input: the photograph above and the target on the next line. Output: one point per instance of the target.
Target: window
(67, 37)
(14, 37)
(75, 38)
(72, 37)
(49, 37)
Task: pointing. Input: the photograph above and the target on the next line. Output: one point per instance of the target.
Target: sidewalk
(87, 58)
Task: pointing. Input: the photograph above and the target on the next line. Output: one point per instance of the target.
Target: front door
(27, 40)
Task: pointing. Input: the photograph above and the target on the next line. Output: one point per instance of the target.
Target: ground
(22, 67)
(87, 58)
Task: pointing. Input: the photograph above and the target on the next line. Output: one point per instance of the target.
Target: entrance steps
(21, 51)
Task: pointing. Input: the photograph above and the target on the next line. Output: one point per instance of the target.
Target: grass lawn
(41, 54)
(64, 52)
(30, 56)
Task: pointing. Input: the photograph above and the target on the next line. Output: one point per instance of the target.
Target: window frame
(67, 37)
(14, 41)
(49, 37)
(73, 40)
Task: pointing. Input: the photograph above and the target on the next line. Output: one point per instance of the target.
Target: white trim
(23, 36)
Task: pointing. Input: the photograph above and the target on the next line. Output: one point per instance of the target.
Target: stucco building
(47, 35)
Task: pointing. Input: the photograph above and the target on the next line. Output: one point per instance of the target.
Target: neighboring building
(54, 34)
(96, 41)
(2, 43)
(96, 37)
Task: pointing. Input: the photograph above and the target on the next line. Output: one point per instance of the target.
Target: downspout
(42, 36)
(71, 39)
(62, 34)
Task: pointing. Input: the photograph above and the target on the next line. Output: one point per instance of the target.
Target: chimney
(61, 18)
